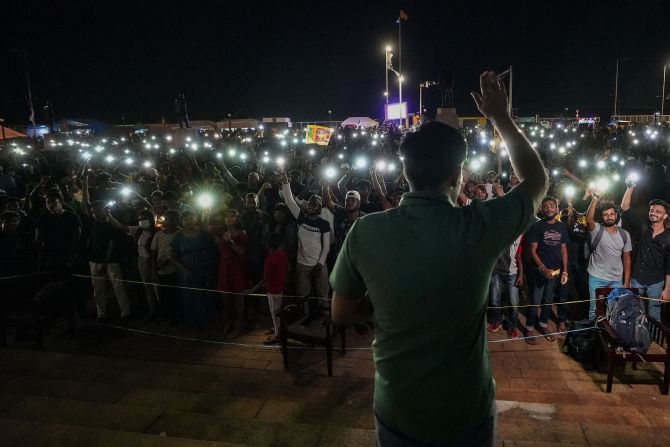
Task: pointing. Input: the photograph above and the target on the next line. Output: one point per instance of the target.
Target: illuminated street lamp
(388, 67)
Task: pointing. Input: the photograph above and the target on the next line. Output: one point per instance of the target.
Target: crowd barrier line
(198, 289)
(277, 347)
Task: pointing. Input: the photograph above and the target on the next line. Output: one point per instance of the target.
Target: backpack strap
(596, 240)
(623, 235)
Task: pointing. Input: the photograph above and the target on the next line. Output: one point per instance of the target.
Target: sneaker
(494, 327)
(514, 333)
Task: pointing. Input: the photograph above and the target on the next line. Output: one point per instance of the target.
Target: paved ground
(119, 388)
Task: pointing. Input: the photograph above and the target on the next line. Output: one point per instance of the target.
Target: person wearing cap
(343, 216)
(433, 381)
(651, 254)
(313, 243)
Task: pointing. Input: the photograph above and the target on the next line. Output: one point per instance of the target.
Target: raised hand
(492, 101)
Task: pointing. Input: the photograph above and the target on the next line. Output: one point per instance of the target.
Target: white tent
(362, 122)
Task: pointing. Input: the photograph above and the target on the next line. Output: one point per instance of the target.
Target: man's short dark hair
(432, 154)
(662, 203)
(54, 194)
(550, 199)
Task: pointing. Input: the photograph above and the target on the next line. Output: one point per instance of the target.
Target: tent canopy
(362, 122)
(10, 133)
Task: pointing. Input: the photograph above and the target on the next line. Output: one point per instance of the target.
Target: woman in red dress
(233, 275)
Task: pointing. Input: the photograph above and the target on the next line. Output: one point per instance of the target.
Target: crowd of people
(203, 218)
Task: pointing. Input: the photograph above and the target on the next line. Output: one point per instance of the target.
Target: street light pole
(665, 66)
(30, 94)
(616, 87)
(386, 72)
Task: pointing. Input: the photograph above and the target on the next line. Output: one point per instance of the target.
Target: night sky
(299, 59)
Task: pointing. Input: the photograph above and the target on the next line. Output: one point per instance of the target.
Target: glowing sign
(396, 111)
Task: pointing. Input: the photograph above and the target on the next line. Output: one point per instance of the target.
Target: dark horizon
(301, 59)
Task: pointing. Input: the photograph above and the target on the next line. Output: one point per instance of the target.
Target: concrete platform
(117, 388)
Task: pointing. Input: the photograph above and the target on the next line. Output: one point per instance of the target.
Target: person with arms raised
(433, 382)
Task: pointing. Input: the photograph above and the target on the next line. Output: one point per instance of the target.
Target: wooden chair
(658, 350)
(314, 329)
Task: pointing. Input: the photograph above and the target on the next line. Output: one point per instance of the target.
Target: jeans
(145, 265)
(101, 286)
(482, 436)
(498, 280)
(543, 293)
(650, 291)
(597, 283)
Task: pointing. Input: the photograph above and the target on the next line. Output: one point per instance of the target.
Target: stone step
(264, 431)
(18, 433)
(531, 432)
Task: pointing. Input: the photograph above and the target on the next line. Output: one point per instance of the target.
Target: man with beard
(651, 257)
(610, 246)
(313, 243)
(548, 246)
(344, 216)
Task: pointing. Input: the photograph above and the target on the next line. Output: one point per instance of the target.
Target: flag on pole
(403, 16)
(318, 135)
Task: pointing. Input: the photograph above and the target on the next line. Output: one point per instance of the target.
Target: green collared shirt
(426, 266)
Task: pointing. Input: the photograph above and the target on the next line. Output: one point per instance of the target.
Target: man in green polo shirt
(421, 272)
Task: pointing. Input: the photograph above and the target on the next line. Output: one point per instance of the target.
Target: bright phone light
(361, 163)
(126, 191)
(205, 200)
(330, 173)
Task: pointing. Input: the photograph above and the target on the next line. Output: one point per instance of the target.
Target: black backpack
(580, 345)
(626, 315)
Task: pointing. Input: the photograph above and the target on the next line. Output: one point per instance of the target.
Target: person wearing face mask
(105, 254)
(143, 234)
(610, 248)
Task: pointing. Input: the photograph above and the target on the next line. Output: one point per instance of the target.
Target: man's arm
(232, 181)
(564, 262)
(327, 198)
(288, 196)
(591, 213)
(378, 188)
(526, 162)
(325, 247)
(342, 184)
(626, 269)
(625, 200)
(519, 268)
(538, 261)
(665, 294)
(350, 310)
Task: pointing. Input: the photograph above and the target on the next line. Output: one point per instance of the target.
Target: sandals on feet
(549, 337)
(531, 341)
